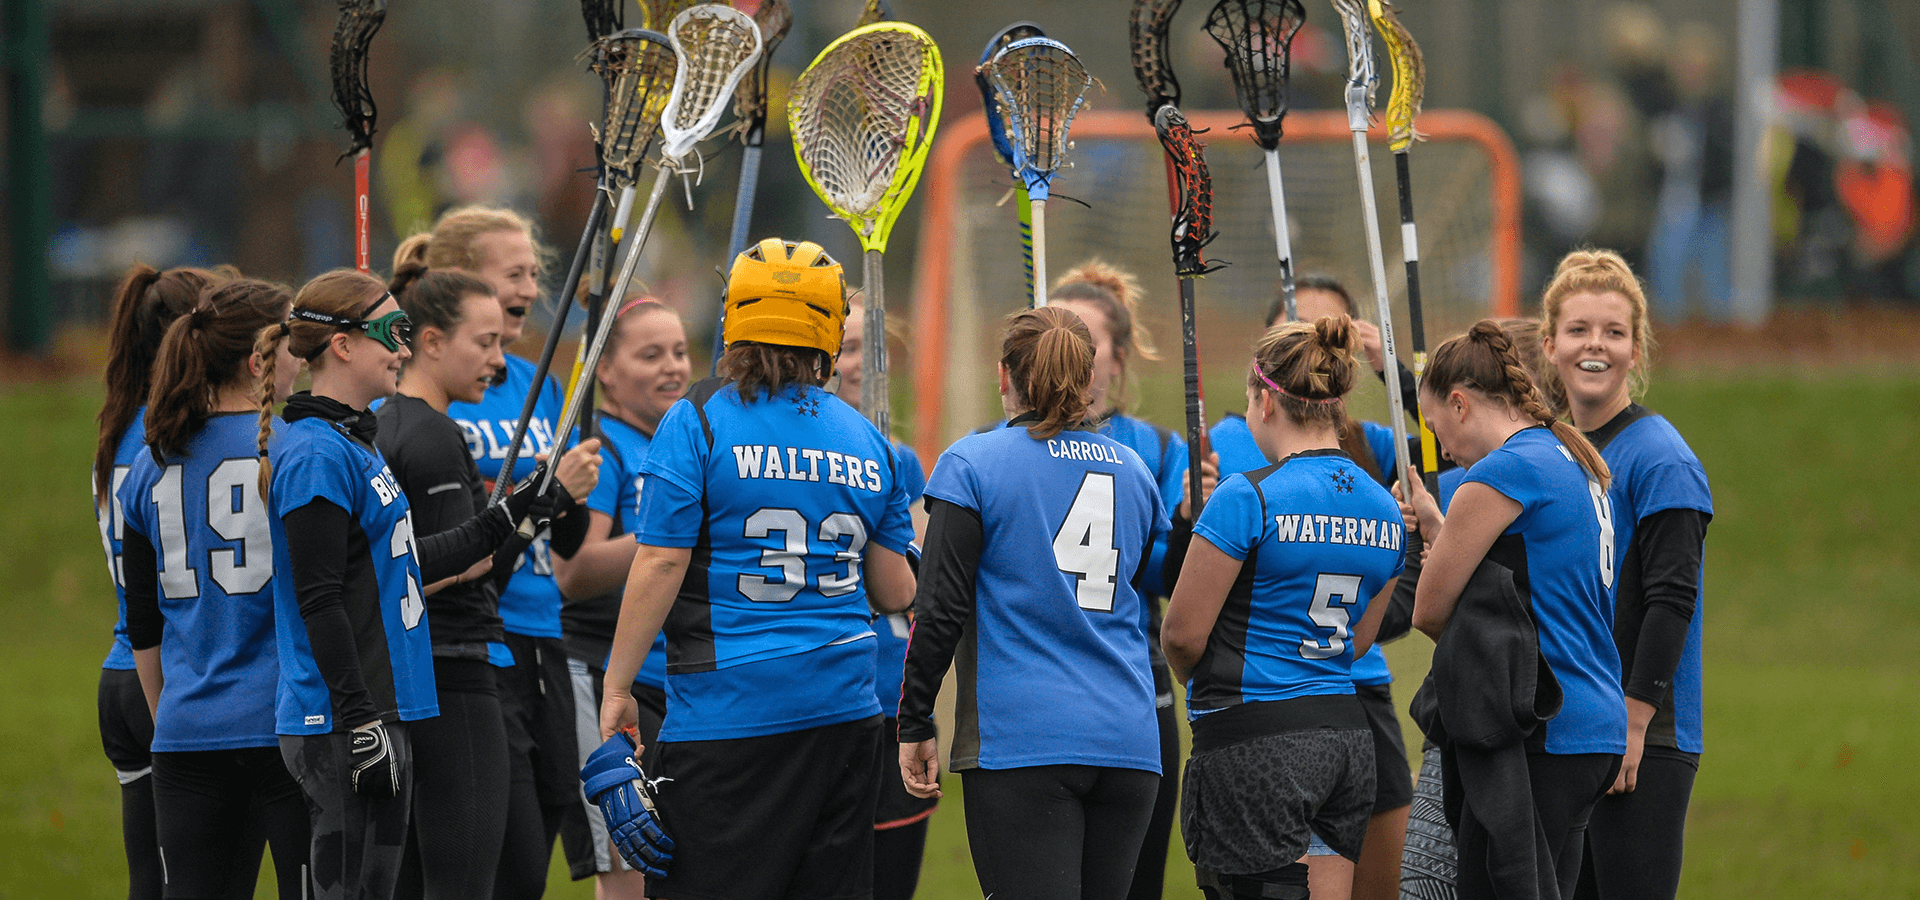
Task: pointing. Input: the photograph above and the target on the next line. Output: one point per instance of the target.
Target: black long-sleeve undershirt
(942, 610)
(139, 574)
(319, 584)
(1668, 549)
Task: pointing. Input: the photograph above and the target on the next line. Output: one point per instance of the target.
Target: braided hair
(1485, 360)
(344, 293)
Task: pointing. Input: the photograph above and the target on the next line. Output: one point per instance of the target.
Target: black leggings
(1634, 841)
(897, 853)
(126, 733)
(1564, 787)
(205, 806)
(459, 789)
(1150, 871)
(536, 699)
(1057, 832)
(358, 840)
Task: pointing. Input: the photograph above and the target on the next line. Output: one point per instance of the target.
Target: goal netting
(969, 272)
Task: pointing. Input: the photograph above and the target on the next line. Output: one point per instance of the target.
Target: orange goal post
(1466, 192)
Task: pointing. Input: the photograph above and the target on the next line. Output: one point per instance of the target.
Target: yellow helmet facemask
(786, 293)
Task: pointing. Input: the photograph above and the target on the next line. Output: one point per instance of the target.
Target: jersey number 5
(1083, 547)
(1332, 594)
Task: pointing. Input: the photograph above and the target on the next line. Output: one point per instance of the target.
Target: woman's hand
(1639, 716)
(1209, 479)
(920, 768)
(580, 469)
(619, 712)
(1420, 511)
(1369, 335)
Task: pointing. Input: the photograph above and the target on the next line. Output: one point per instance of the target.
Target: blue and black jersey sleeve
(1668, 549)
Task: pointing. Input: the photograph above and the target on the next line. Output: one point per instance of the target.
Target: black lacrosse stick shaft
(1192, 199)
(1429, 451)
(1196, 401)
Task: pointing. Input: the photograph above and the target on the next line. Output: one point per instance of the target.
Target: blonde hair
(343, 293)
(450, 244)
(1485, 360)
(1048, 353)
(1117, 294)
(1597, 272)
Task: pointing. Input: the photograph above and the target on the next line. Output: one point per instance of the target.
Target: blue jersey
(530, 603)
(891, 632)
(1054, 667)
(212, 540)
(1317, 541)
(617, 496)
(314, 459)
(1231, 440)
(1560, 549)
(1653, 471)
(108, 516)
(778, 500)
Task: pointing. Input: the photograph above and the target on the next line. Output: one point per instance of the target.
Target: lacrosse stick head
(996, 117)
(862, 117)
(774, 18)
(352, 94)
(1147, 28)
(1409, 75)
(639, 68)
(875, 11)
(1361, 75)
(1040, 85)
(1258, 38)
(659, 13)
(1193, 192)
(717, 46)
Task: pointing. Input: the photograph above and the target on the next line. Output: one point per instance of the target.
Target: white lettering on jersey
(774, 469)
(1082, 451)
(747, 459)
(813, 458)
(765, 461)
(385, 485)
(1305, 529)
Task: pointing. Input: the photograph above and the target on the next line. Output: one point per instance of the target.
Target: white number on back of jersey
(1084, 544)
(790, 558)
(1603, 512)
(113, 524)
(178, 580)
(234, 512)
(412, 604)
(832, 529)
(1332, 594)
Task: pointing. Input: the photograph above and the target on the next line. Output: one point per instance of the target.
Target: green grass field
(1813, 601)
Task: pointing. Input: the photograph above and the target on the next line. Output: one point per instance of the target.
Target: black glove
(375, 770)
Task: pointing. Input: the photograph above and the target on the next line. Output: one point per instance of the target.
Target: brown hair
(341, 292)
(1313, 282)
(146, 303)
(449, 245)
(754, 366)
(202, 353)
(432, 298)
(1117, 293)
(1313, 365)
(1525, 335)
(1048, 353)
(1597, 272)
(631, 311)
(1484, 359)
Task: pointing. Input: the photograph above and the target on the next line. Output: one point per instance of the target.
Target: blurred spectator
(1695, 146)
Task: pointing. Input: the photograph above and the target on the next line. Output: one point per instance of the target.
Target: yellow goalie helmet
(786, 293)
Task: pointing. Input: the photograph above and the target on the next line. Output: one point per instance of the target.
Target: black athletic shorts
(536, 697)
(783, 815)
(584, 837)
(1249, 807)
(896, 807)
(126, 726)
(1392, 779)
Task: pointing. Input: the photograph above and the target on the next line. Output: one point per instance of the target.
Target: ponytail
(1485, 360)
(204, 351)
(267, 347)
(1048, 354)
(147, 302)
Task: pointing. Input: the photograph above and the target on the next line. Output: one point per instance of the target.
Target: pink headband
(1285, 393)
(636, 302)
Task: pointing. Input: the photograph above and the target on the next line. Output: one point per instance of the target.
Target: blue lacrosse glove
(613, 781)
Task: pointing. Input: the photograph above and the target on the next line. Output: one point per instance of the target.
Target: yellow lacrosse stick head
(1409, 75)
(862, 117)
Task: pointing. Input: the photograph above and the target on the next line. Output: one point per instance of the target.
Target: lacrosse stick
(1258, 38)
(660, 13)
(1361, 78)
(715, 45)
(1409, 86)
(353, 96)
(1147, 34)
(874, 11)
(1192, 230)
(1040, 85)
(603, 17)
(862, 117)
(775, 18)
(997, 130)
(638, 67)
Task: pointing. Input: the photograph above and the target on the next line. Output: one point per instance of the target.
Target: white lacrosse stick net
(1041, 85)
(854, 114)
(717, 46)
(642, 67)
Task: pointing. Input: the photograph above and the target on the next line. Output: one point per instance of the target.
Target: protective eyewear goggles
(393, 330)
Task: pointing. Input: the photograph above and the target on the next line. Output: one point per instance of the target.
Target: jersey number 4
(1084, 548)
